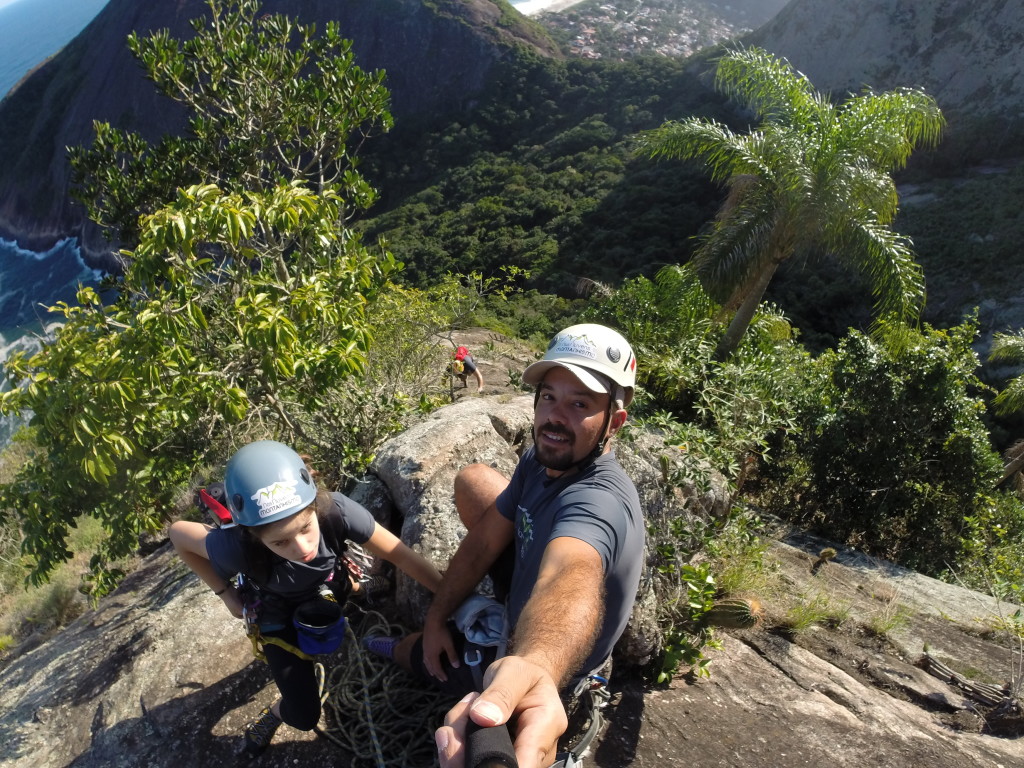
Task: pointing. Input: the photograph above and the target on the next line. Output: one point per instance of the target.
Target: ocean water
(28, 281)
(33, 30)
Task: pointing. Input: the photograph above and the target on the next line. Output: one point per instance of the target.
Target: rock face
(161, 675)
(436, 55)
(965, 53)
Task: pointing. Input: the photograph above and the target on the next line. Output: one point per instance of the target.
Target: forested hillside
(546, 180)
(437, 56)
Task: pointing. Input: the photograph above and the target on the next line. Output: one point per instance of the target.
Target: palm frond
(766, 84)
(1011, 399)
(888, 261)
(1007, 347)
(887, 127)
(738, 243)
(725, 153)
(852, 188)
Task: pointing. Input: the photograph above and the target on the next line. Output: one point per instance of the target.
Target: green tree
(267, 99)
(243, 306)
(891, 453)
(812, 178)
(209, 339)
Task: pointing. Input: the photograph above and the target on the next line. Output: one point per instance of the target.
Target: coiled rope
(376, 711)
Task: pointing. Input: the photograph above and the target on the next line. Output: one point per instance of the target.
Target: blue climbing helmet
(267, 481)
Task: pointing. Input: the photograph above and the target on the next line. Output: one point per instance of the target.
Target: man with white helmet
(563, 542)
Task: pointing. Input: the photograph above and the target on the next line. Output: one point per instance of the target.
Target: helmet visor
(535, 373)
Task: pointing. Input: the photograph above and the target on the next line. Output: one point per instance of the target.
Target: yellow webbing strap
(258, 641)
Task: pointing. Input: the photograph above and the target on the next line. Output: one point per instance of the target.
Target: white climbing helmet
(586, 349)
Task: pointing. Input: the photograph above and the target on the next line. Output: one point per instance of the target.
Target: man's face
(568, 422)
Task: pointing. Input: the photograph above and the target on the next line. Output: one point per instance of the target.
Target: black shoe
(260, 731)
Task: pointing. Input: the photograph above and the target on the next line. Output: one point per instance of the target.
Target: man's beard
(547, 455)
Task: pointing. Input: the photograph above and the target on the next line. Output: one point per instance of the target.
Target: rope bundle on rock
(377, 711)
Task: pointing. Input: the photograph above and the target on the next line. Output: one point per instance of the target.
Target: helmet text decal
(580, 345)
(276, 497)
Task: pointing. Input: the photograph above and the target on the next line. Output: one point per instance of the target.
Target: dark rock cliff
(967, 54)
(437, 55)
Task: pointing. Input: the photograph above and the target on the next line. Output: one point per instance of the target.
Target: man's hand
(437, 639)
(514, 686)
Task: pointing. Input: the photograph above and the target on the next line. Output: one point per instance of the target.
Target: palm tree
(812, 179)
(1009, 348)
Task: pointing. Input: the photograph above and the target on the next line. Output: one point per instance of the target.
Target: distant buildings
(624, 32)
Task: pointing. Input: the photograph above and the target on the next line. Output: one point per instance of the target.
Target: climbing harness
(319, 624)
(593, 696)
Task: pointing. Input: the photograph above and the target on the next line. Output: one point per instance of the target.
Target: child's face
(296, 538)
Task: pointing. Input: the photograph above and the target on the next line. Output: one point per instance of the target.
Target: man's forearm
(560, 623)
(467, 567)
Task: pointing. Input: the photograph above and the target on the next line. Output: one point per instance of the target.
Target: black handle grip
(489, 747)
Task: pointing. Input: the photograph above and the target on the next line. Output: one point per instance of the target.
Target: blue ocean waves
(29, 279)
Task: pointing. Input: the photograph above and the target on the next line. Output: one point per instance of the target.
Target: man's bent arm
(553, 636)
(481, 546)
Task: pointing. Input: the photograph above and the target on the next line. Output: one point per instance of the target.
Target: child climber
(287, 547)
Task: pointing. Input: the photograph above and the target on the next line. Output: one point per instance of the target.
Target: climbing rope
(376, 711)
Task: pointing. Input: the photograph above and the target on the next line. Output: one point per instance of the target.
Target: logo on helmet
(613, 354)
(273, 498)
(580, 345)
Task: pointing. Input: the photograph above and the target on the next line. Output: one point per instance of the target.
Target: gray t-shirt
(600, 506)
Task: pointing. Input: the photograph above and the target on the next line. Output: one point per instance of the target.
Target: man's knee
(476, 488)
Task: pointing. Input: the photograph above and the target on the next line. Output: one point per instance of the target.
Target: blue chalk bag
(320, 625)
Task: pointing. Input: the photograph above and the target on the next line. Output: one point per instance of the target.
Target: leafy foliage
(813, 177)
(242, 309)
(718, 415)
(685, 643)
(209, 334)
(268, 100)
(891, 453)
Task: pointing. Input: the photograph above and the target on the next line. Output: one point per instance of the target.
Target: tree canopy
(811, 179)
(268, 99)
(242, 308)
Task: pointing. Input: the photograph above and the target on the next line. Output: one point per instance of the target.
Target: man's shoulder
(605, 482)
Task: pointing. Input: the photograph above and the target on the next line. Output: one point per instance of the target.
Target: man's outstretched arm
(554, 635)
